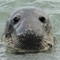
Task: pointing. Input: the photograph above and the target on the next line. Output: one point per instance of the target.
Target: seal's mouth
(29, 42)
(30, 45)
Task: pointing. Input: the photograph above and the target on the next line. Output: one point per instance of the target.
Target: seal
(28, 29)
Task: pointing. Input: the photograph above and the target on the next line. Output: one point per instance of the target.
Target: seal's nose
(29, 40)
(30, 32)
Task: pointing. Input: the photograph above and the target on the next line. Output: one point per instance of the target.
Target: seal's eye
(42, 19)
(16, 19)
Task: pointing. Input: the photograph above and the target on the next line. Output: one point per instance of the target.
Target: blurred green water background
(52, 7)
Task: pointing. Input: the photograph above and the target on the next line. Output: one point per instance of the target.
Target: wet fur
(12, 40)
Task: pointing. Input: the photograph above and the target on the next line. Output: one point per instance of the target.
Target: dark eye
(42, 19)
(16, 19)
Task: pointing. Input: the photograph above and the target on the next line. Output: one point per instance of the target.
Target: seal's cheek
(4, 38)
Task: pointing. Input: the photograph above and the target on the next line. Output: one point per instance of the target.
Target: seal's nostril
(30, 32)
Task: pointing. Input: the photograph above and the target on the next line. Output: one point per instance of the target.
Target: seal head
(28, 30)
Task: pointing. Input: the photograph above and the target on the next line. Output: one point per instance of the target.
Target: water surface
(52, 7)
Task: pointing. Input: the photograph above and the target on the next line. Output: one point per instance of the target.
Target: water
(52, 7)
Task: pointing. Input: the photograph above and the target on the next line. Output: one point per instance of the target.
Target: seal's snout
(29, 38)
(30, 41)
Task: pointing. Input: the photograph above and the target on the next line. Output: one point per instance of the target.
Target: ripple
(52, 7)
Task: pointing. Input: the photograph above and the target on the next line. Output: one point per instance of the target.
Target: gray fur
(29, 34)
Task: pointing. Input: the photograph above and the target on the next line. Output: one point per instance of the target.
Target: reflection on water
(51, 7)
